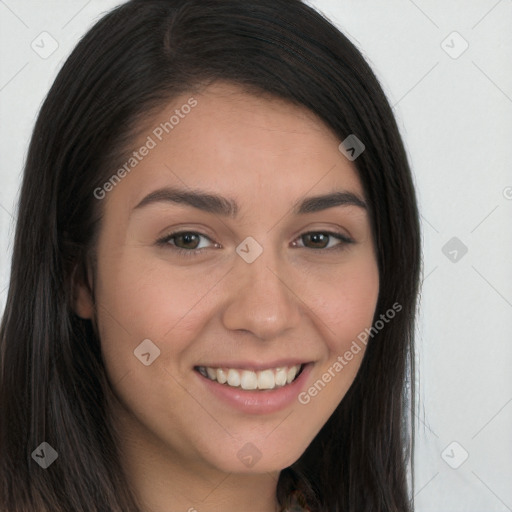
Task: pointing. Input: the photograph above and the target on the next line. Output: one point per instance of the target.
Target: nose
(261, 298)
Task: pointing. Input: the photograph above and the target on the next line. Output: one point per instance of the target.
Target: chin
(256, 457)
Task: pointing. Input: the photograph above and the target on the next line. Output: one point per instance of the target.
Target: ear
(83, 301)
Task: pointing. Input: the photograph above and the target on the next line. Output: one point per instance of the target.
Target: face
(214, 262)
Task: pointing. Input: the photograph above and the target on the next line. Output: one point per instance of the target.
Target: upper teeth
(248, 379)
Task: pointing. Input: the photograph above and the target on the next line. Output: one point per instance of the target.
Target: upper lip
(251, 365)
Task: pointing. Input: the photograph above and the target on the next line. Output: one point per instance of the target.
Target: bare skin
(301, 298)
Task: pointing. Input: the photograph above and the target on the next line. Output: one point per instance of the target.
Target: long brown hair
(53, 386)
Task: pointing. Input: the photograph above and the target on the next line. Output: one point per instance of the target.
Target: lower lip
(258, 402)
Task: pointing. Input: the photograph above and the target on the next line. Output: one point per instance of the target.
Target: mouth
(252, 380)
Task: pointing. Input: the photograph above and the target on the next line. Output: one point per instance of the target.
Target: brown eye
(186, 240)
(324, 239)
(318, 240)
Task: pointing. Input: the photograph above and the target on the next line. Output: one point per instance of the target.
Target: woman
(214, 275)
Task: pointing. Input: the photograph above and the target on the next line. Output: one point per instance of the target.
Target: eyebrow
(227, 207)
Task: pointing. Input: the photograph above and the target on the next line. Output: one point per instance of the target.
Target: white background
(455, 115)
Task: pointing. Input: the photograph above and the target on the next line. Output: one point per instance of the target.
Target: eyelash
(164, 241)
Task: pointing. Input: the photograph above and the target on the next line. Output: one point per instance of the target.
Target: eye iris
(188, 238)
(318, 238)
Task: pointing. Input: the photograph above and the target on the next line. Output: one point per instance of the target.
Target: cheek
(142, 298)
(344, 311)
(347, 302)
(147, 297)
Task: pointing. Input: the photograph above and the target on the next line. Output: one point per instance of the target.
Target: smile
(267, 379)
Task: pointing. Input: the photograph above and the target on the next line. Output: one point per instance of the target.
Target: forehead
(238, 144)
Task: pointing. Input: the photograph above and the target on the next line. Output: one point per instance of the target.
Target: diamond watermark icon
(454, 249)
(249, 249)
(147, 352)
(249, 454)
(454, 45)
(44, 45)
(351, 147)
(45, 455)
(454, 455)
